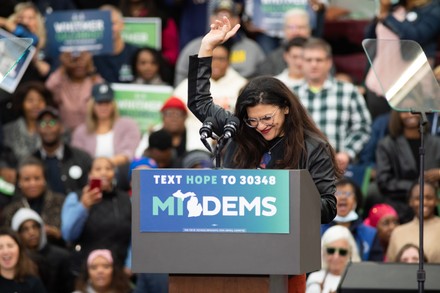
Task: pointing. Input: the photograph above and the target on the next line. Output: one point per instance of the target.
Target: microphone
(206, 132)
(231, 127)
(206, 129)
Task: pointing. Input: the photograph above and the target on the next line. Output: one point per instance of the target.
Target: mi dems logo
(190, 205)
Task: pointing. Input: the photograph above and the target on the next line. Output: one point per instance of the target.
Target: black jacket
(75, 158)
(396, 167)
(317, 160)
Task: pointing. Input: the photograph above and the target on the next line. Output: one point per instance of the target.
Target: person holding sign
(276, 131)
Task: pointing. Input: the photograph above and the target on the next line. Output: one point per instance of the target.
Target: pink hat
(174, 102)
(377, 212)
(105, 253)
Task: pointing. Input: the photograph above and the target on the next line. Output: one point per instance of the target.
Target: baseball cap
(225, 5)
(174, 102)
(102, 92)
(48, 110)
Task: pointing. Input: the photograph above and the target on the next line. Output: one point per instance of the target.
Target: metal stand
(421, 274)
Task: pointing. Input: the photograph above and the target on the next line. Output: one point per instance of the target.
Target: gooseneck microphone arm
(206, 132)
(229, 130)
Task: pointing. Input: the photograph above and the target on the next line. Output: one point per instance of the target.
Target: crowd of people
(61, 132)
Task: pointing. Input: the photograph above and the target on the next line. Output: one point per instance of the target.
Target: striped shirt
(340, 112)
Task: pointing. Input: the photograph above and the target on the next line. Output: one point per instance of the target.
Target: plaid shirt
(341, 113)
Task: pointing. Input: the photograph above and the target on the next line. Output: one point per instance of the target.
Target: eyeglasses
(266, 120)
(344, 194)
(50, 123)
(332, 250)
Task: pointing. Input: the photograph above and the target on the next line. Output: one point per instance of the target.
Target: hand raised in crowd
(90, 196)
(220, 32)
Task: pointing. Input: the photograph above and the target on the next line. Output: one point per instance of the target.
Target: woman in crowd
(397, 161)
(338, 248)
(21, 134)
(32, 192)
(17, 272)
(71, 84)
(148, 67)
(349, 201)
(409, 232)
(105, 134)
(276, 133)
(100, 274)
(384, 218)
(98, 217)
(409, 253)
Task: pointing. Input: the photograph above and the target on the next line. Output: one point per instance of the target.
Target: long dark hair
(297, 125)
(25, 267)
(164, 69)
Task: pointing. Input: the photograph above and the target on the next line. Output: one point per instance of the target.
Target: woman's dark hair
(120, 282)
(357, 191)
(25, 267)
(405, 248)
(25, 88)
(164, 69)
(297, 125)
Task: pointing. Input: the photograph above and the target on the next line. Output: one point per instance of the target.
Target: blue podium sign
(218, 201)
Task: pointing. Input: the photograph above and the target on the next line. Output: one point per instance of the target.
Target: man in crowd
(337, 108)
(66, 167)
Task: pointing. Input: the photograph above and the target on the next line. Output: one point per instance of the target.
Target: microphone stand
(421, 274)
(218, 150)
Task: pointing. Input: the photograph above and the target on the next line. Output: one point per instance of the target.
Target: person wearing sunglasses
(349, 203)
(276, 132)
(338, 248)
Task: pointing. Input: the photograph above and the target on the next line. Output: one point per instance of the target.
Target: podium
(252, 260)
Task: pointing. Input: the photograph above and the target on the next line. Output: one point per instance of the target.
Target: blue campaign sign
(79, 30)
(223, 201)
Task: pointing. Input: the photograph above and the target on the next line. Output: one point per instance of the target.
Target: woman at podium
(275, 130)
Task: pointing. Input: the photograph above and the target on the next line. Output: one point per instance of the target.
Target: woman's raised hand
(220, 32)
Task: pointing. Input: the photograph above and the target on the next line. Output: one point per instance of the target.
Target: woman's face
(29, 18)
(31, 181)
(103, 168)
(346, 199)
(336, 255)
(410, 255)
(146, 66)
(409, 120)
(429, 203)
(100, 273)
(33, 103)
(9, 253)
(385, 226)
(103, 110)
(269, 120)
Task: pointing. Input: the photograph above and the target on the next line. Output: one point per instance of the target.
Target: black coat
(396, 167)
(317, 161)
(72, 157)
